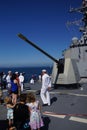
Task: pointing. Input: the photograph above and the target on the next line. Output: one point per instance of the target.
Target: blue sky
(42, 22)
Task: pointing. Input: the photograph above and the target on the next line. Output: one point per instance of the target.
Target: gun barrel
(35, 46)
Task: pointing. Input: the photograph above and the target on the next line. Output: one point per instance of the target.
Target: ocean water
(29, 71)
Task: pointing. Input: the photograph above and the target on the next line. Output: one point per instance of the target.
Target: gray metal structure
(73, 66)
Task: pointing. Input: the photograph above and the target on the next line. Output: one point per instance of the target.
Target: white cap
(16, 72)
(43, 70)
(9, 71)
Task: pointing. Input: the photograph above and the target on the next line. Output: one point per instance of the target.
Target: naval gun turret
(73, 66)
(65, 71)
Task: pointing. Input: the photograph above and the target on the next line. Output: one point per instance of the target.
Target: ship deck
(68, 108)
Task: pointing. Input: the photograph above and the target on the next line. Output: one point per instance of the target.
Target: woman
(14, 88)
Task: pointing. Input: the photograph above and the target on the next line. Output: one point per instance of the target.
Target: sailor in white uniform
(21, 81)
(46, 85)
(8, 80)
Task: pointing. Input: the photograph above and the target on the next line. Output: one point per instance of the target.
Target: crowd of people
(23, 110)
(5, 80)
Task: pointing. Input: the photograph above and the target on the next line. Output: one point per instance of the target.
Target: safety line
(67, 93)
(72, 118)
(46, 112)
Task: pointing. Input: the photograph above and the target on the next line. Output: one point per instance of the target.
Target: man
(8, 81)
(46, 85)
(21, 81)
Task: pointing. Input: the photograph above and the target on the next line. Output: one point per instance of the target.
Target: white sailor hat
(43, 70)
(16, 72)
(9, 72)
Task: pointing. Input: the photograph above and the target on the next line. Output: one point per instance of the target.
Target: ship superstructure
(69, 69)
(78, 47)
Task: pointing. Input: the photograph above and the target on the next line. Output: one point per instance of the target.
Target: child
(10, 107)
(21, 114)
(35, 115)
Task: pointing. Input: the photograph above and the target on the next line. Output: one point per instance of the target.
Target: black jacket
(21, 115)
